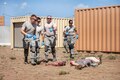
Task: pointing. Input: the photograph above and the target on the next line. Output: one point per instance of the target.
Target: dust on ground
(12, 67)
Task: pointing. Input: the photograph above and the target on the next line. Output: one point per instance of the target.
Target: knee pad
(32, 46)
(46, 48)
(72, 51)
(32, 55)
(32, 49)
(37, 50)
(71, 46)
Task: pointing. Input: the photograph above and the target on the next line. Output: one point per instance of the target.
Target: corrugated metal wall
(60, 22)
(2, 21)
(98, 28)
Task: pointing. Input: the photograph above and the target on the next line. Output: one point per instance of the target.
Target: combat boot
(33, 62)
(71, 56)
(54, 57)
(26, 60)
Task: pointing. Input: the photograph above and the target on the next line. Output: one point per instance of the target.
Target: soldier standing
(28, 30)
(39, 32)
(50, 38)
(71, 34)
(65, 44)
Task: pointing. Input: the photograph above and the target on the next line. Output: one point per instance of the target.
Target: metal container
(98, 28)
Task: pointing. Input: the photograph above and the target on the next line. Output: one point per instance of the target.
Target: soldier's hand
(34, 37)
(66, 33)
(42, 43)
(77, 36)
(29, 35)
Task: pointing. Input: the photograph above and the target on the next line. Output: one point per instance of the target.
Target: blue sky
(57, 8)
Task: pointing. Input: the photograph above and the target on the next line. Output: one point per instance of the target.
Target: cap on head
(49, 16)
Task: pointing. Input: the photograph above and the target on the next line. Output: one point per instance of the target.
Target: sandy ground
(12, 67)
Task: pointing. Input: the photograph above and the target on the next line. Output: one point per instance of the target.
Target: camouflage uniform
(71, 39)
(50, 39)
(29, 29)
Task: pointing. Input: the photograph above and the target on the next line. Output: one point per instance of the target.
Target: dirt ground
(12, 67)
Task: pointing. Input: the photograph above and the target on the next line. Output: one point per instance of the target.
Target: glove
(66, 33)
(42, 43)
(77, 36)
(34, 37)
(28, 35)
(51, 29)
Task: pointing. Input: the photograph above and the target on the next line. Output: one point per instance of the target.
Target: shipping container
(98, 28)
(2, 22)
(16, 24)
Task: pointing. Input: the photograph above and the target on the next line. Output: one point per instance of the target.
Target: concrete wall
(4, 35)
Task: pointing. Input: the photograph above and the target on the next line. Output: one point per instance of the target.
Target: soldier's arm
(23, 29)
(55, 28)
(42, 37)
(75, 31)
(64, 31)
(42, 33)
